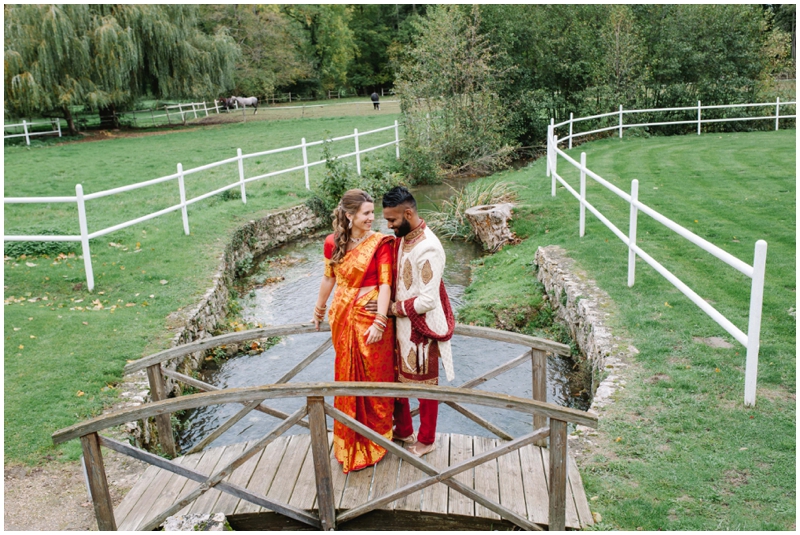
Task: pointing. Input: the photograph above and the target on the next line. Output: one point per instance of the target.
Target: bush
(449, 221)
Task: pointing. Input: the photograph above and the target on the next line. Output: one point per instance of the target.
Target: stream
(293, 273)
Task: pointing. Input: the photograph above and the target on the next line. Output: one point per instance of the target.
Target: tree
(273, 46)
(331, 40)
(103, 56)
(448, 89)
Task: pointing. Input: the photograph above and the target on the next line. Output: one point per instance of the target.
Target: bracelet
(379, 324)
(382, 316)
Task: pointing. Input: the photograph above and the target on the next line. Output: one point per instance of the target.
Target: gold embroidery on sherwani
(408, 277)
(412, 357)
(427, 272)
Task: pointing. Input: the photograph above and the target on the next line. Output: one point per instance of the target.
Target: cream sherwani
(420, 265)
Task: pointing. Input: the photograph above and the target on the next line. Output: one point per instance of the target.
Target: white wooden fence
(80, 198)
(756, 271)
(26, 133)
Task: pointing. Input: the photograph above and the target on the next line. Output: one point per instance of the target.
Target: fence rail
(26, 133)
(80, 198)
(756, 271)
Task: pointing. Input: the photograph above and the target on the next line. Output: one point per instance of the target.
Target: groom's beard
(403, 229)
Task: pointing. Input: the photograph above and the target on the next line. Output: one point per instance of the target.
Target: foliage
(589, 59)
(57, 56)
(272, 46)
(449, 220)
(448, 85)
(330, 41)
(337, 180)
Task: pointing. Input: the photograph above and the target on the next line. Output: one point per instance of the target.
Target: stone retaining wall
(585, 309)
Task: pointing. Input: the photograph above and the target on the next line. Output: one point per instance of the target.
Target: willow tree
(104, 56)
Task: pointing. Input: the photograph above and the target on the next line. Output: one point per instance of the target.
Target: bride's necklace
(359, 240)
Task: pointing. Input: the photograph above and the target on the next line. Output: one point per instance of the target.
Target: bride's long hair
(350, 204)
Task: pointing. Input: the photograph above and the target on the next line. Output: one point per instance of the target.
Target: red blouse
(379, 270)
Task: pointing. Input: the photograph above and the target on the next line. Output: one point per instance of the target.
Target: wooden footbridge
(293, 481)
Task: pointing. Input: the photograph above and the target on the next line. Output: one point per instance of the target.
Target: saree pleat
(358, 361)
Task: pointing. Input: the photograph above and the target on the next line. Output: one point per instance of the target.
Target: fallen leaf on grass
(80, 393)
(716, 370)
(30, 264)
(666, 304)
(17, 328)
(33, 336)
(130, 304)
(742, 449)
(618, 439)
(86, 323)
(21, 346)
(162, 281)
(597, 517)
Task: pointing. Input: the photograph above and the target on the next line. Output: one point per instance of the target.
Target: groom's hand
(372, 306)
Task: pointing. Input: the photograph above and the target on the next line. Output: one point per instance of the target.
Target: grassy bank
(65, 347)
(677, 449)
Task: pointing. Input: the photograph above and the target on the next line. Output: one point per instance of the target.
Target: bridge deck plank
(284, 472)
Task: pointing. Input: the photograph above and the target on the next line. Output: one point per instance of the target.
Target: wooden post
(539, 376)
(152, 116)
(558, 475)
(158, 392)
(98, 485)
(322, 465)
(166, 110)
(25, 129)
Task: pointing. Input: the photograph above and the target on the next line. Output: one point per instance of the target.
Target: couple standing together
(390, 320)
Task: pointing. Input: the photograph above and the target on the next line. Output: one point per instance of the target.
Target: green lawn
(678, 450)
(62, 357)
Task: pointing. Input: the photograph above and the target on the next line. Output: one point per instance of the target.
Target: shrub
(15, 249)
(448, 219)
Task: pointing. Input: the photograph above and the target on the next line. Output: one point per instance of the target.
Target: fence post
(166, 110)
(87, 254)
(241, 174)
(182, 190)
(326, 503)
(152, 116)
(558, 475)
(632, 233)
(699, 114)
(777, 112)
(205, 108)
(290, 97)
(25, 129)
(397, 139)
(358, 154)
(57, 123)
(582, 224)
(158, 392)
(539, 391)
(620, 121)
(754, 323)
(98, 484)
(570, 129)
(305, 162)
(554, 165)
(194, 110)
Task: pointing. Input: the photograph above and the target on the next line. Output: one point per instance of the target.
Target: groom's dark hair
(399, 195)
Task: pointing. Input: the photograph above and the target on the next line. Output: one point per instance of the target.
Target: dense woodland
(511, 64)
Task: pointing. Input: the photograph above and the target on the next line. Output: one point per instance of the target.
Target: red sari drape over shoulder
(368, 264)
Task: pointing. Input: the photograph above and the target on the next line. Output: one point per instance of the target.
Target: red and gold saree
(355, 360)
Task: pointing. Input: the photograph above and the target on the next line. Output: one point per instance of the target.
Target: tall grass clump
(448, 219)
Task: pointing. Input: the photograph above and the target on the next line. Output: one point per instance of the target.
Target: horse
(227, 103)
(249, 101)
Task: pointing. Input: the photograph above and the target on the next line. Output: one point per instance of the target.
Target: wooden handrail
(399, 390)
(306, 328)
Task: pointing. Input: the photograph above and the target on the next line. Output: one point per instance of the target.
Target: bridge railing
(535, 351)
(755, 271)
(240, 180)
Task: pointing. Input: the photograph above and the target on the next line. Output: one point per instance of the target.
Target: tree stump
(490, 224)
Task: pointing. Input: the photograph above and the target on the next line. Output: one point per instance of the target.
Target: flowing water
(292, 299)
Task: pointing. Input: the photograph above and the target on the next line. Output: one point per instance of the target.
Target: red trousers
(428, 413)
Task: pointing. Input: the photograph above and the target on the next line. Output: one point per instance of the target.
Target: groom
(424, 320)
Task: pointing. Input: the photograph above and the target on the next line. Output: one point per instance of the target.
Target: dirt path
(54, 496)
